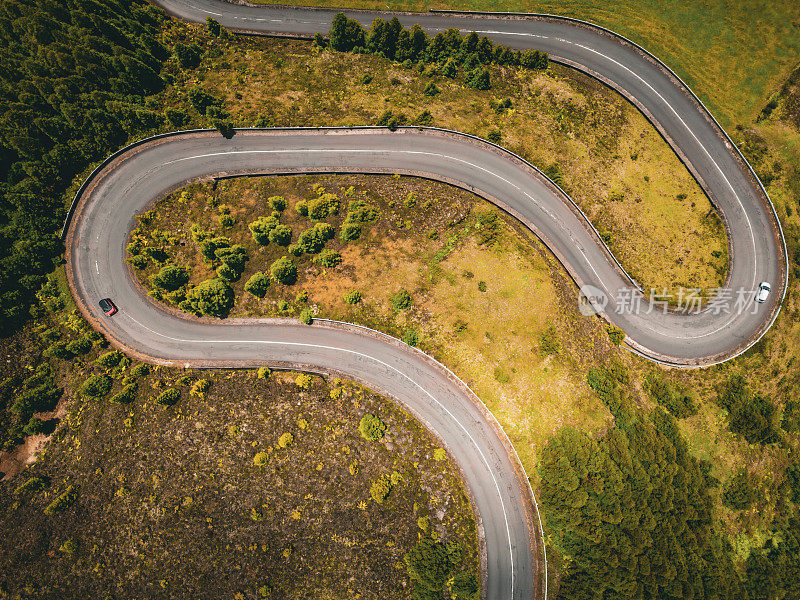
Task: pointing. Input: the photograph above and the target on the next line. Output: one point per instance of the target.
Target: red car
(108, 306)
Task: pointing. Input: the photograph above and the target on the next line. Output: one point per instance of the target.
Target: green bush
(302, 208)
(678, 400)
(277, 203)
(109, 360)
(261, 228)
(284, 271)
(126, 395)
(549, 342)
(313, 240)
(401, 300)
(615, 334)
(410, 337)
(431, 89)
(209, 247)
(352, 297)
(80, 346)
(750, 415)
(381, 488)
(170, 277)
(495, 136)
(285, 440)
(306, 316)
(430, 567)
(258, 284)
(63, 501)
(329, 258)
(739, 493)
(793, 478)
(138, 262)
(31, 486)
(281, 235)
(169, 397)
(35, 426)
(213, 297)
(371, 428)
(96, 386)
(479, 79)
(234, 256)
(226, 272)
(323, 206)
(350, 232)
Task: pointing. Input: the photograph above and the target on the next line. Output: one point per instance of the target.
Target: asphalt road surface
(105, 213)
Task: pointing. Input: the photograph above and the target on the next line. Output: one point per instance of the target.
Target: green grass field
(732, 53)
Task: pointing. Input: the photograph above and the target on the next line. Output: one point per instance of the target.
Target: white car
(763, 292)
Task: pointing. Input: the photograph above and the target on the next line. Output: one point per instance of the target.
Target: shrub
(739, 492)
(350, 232)
(32, 485)
(168, 397)
(313, 240)
(260, 459)
(750, 415)
(285, 440)
(188, 57)
(79, 346)
(549, 342)
(793, 478)
(615, 334)
(34, 426)
(63, 501)
(303, 381)
(371, 428)
(401, 300)
(69, 547)
(227, 273)
(126, 395)
(323, 206)
(284, 271)
(381, 488)
(678, 400)
(352, 297)
(199, 388)
(261, 228)
(495, 136)
(302, 208)
(329, 258)
(464, 586)
(306, 316)
(109, 360)
(431, 89)
(264, 372)
(170, 277)
(137, 262)
(277, 203)
(410, 337)
(479, 79)
(302, 296)
(429, 564)
(258, 284)
(96, 386)
(439, 454)
(209, 247)
(140, 370)
(281, 235)
(234, 256)
(213, 297)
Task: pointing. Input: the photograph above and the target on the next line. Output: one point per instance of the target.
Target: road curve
(756, 244)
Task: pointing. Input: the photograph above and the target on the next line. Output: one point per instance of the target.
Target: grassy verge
(731, 53)
(651, 212)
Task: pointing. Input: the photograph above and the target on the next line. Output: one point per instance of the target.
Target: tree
(371, 427)
(213, 26)
(96, 386)
(258, 284)
(479, 79)
(170, 277)
(212, 297)
(739, 493)
(346, 34)
(284, 271)
(329, 258)
(188, 56)
(401, 300)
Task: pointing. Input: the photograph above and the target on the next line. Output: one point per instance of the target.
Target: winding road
(131, 180)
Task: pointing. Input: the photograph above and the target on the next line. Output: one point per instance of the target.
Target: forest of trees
(450, 50)
(74, 81)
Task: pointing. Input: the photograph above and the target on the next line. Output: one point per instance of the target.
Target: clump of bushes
(749, 414)
(260, 459)
(96, 386)
(401, 300)
(371, 428)
(352, 297)
(285, 440)
(284, 271)
(381, 488)
(258, 284)
(170, 277)
(434, 569)
(63, 501)
(677, 399)
(323, 206)
(313, 240)
(615, 334)
(212, 297)
(126, 395)
(329, 258)
(739, 493)
(168, 397)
